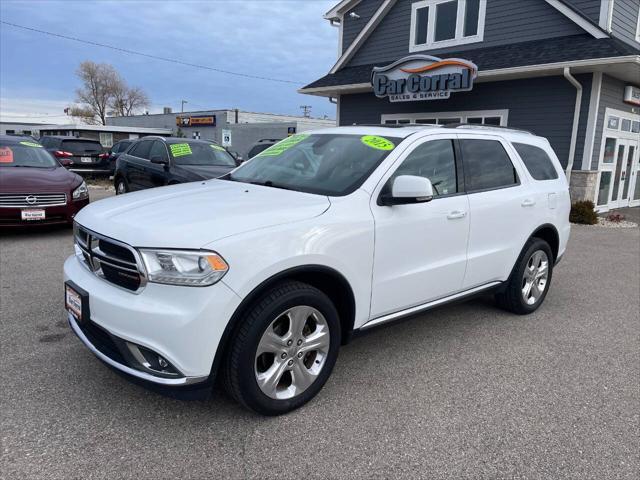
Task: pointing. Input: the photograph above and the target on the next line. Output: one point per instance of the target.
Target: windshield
(326, 164)
(197, 153)
(25, 154)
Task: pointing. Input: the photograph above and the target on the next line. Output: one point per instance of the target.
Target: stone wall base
(583, 185)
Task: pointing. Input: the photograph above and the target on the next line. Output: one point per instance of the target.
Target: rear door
(156, 174)
(502, 210)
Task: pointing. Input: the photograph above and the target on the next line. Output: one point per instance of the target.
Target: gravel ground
(465, 391)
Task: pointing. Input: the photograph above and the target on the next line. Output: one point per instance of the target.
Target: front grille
(16, 200)
(109, 259)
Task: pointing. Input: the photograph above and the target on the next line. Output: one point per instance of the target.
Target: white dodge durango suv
(262, 274)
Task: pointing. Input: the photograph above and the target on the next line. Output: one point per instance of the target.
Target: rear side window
(141, 149)
(487, 165)
(537, 161)
(81, 146)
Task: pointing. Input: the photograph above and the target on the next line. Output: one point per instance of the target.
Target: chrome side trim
(425, 306)
(129, 370)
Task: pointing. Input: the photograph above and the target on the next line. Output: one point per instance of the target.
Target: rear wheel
(121, 186)
(285, 349)
(530, 280)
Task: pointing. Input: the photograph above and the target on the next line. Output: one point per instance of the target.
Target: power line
(155, 57)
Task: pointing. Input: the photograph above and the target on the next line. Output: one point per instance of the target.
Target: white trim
(638, 26)
(459, 39)
(412, 117)
(592, 118)
(577, 19)
(338, 100)
(606, 15)
(364, 34)
(486, 75)
(576, 121)
(340, 9)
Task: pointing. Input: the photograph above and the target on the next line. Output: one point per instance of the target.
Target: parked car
(86, 155)
(35, 189)
(261, 146)
(115, 151)
(157, 161)
(261, 275)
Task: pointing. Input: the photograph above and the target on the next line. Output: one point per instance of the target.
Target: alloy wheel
(535, 278)
(292, 352)
(121, 188)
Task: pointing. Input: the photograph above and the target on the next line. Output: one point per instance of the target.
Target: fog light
(162, 362)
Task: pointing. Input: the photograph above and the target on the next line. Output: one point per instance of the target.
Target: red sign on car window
(6, 155)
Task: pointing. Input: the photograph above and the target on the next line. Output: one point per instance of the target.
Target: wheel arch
(326, 279)
(549, 233)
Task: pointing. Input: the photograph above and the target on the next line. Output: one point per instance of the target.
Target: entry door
(420, 249)
(631, 188)
(624, 169)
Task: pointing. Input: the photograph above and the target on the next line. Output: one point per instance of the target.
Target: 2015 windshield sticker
(180, 149)
(379, 143)
(283, 146)
(31, 144)
(6, 155)
(217, 147)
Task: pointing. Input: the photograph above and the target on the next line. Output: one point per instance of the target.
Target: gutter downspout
(576, 121)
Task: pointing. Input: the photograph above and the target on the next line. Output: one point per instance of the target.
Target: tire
(275, 383)
(121, 186)
(525, 295)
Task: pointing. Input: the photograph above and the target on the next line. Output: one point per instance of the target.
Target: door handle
(528, 203)
(456, 214)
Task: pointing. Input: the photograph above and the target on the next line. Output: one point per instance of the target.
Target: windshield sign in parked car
(263, 274)
(155, 161)
(35, 188)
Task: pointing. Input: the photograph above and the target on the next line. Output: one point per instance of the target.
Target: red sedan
(35, 189)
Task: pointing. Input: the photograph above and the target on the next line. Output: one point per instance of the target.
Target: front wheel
(530, 279)
(121, 186)
(284, 350)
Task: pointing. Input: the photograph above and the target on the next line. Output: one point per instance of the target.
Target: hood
(201, 172)
(192, 215)
(37, 180)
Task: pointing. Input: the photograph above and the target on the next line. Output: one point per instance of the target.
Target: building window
(11, 132)
(488, 117)
(196, 135)
(446, 23)
(106, 139)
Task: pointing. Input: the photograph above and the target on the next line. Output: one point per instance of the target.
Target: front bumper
(11, 217)
(184, 325)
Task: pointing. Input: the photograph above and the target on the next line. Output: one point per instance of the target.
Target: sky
(281, 39)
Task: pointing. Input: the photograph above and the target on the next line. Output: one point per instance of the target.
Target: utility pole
(182, 105)
(306, 110)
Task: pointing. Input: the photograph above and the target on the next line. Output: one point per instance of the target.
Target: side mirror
(66, 162)
(408, 189)
(160, 161)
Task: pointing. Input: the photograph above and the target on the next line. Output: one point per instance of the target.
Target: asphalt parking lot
(466, 391)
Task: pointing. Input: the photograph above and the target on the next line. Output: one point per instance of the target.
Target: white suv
(261, 275)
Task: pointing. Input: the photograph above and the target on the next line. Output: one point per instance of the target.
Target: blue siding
(351, 27)
(611, 96)
(507, 21)
(543, 105)
(625, 20)
(590, 8)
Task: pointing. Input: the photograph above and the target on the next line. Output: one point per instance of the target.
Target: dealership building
(568, 70)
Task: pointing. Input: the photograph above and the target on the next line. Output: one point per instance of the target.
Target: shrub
(615, 217)
(583, 212)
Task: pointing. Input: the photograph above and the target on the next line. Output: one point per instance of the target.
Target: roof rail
(486, 127)
(394, 125)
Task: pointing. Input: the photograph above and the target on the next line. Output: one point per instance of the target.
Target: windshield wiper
(269, 183)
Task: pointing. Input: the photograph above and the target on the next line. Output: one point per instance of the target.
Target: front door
(624, 163)
(420, 249)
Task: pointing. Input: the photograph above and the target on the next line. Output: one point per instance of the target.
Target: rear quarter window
(537, 161)
(487, 166)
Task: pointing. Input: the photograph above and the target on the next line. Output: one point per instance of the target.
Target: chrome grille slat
(26, 200)
(117, 271)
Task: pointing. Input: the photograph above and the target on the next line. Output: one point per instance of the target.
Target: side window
(436, 161)
(158, 150)
(142, 149)
(44, 142)
(116, 148)
(537, 161)
(486, 165)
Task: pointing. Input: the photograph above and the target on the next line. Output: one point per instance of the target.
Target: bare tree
(128, 100)
(103, 93)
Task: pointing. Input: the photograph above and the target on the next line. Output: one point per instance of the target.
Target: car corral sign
(196, 121)
(422, 77)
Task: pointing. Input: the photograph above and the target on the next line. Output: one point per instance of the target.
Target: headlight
(81, 192)
(196, 268)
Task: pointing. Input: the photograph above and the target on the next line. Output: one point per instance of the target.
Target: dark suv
(115, 151)
(157, 161)
(86, 155)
